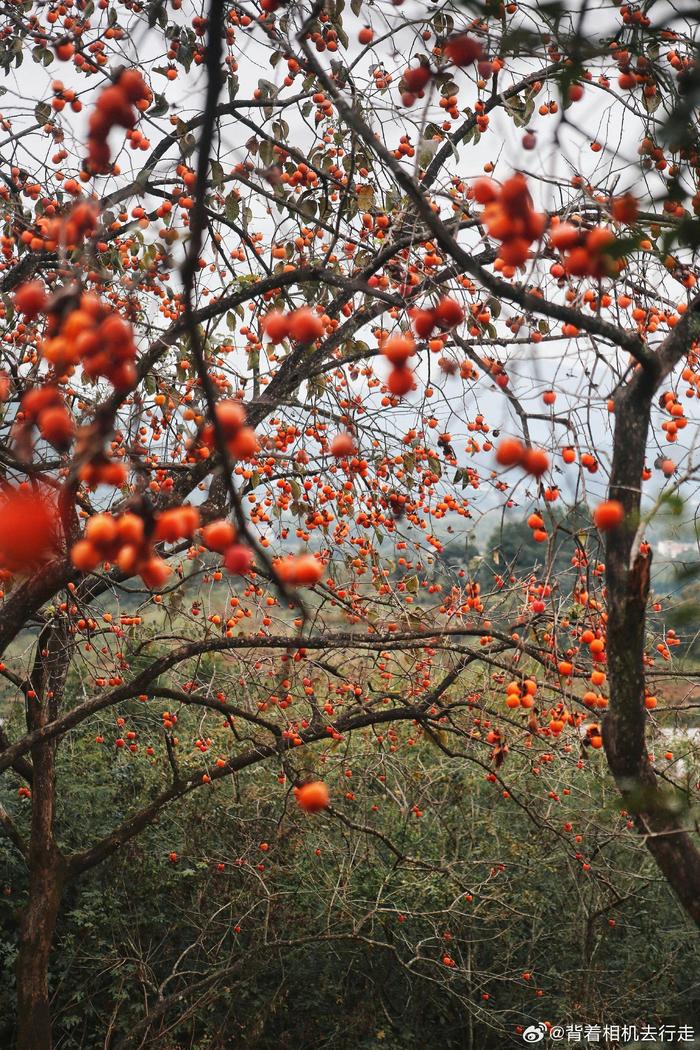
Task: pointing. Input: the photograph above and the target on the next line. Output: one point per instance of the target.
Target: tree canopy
(296, 300)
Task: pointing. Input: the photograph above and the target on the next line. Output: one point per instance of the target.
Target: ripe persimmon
(510, 452)
(424, 322)
(305, 326)
(462, 49)
(231, 416)
(398, 349)
(312, 797)
(276, 326)
(85, 556)
(155, 573)
(400, 381)
(31, 298)
(27, 529)
(302, 570)
(416, 78)
(218, 536)
(448, 312)
(101, 531)
(342, 445)
(238, 559)
(535, 461)
(608, 515)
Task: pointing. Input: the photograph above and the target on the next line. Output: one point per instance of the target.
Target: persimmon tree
(272, 342)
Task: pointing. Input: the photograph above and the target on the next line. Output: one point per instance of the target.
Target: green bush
(407, 916)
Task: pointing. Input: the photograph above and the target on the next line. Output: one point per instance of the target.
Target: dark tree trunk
(655, 811)
(46, 877)
(47, 866)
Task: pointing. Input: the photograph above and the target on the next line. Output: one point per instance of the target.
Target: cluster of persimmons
(117, 106)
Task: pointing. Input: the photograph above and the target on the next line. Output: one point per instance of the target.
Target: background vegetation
(233, 922)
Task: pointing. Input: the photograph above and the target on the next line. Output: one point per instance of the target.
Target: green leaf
(232, 206)
(365, 197)
(217, 173)
(161, 106)
(267, 88)
(267, 152)
(673, 503)
(42, 112)
(651, 103)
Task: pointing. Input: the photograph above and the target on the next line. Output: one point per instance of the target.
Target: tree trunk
(48, 869)
(46, 880)
(627, 571)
